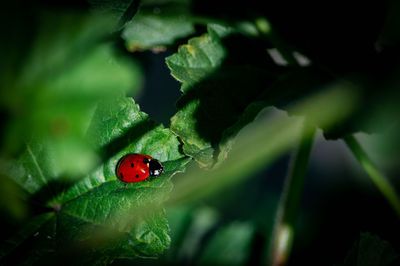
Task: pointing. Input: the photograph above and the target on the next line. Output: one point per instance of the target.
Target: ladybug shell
(133, 167)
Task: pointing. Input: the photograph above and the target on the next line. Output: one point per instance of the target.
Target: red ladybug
(138, 167)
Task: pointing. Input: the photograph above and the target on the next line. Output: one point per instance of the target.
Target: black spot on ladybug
(145, 161)
(137, 176)
(132, 165)
(122, 177)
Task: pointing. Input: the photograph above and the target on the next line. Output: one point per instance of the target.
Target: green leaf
(209, 115)
(12, 197)
(156, 28)
(88, 209)
(74, 125)
(184, 125)
(191, 64)
(103, 200)
(121, 10)
(370, 250)
(119, 128)
(148, 238)
(230, 245)
(203, 220)
(119, 119)
(224, 88)
(179, 218)
(200, 57)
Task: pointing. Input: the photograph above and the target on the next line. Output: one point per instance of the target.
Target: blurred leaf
(383, 148)
(179, 219)
(230, 245)
(66, 72)
(157, 25)
(53, 40)
(62, 40)
(370, 250)
(203, 220)
(121, 10)
(12, 198)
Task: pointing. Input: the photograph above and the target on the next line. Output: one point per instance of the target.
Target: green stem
(290, 201)
(377, 178)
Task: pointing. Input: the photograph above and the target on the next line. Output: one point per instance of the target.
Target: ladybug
(138, 167)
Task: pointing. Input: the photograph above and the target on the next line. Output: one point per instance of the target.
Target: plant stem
(377, 178)
(290, 201)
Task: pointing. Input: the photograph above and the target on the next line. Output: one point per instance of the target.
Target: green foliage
(191, 227)
(68, 78)
(224, 90)
(200, 57)
(100, 199)
(53, 95)
(75, 126)
(230, 246)
(158, 25)
(120, 11)
(207, 110)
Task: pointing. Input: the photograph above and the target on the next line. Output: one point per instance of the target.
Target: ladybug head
(155, 168)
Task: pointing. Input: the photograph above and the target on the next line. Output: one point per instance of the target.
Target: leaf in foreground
(62, 74)
(100, 212)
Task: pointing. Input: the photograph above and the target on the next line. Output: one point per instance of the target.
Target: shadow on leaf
(217, 107)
